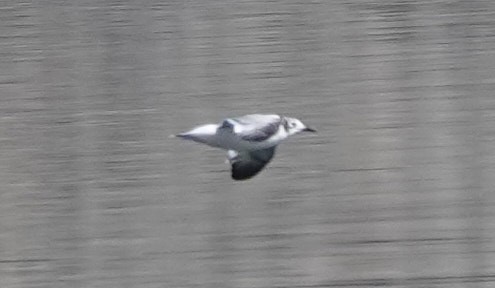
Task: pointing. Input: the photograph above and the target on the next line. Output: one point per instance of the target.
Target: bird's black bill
(307, 129)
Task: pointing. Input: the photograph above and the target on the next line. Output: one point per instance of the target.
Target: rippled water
(395, 190)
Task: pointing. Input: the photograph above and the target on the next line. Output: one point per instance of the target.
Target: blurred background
(396, 189)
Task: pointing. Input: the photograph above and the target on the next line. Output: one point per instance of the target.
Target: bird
(250, 140)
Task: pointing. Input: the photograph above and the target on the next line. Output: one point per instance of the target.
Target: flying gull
(250, 140)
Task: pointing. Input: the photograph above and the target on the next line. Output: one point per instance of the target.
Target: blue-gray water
(396, 189)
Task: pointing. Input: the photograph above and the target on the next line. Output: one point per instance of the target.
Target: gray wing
(254, 128)
(247, 164)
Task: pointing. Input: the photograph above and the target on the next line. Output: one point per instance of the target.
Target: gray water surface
(396, 189)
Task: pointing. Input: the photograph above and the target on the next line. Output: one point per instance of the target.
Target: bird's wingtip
(181, 136)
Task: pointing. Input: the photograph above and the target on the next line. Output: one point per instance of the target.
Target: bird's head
(294, 126)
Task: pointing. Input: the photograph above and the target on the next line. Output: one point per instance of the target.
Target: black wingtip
(246, 166)
(240, 178)
(182, 136)
(244, 173)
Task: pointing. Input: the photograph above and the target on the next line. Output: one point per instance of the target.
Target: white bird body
(231, 139)
(250, 139)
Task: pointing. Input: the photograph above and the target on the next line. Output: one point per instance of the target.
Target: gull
(250, 140)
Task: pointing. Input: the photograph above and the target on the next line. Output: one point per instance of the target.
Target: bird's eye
(292, 125)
